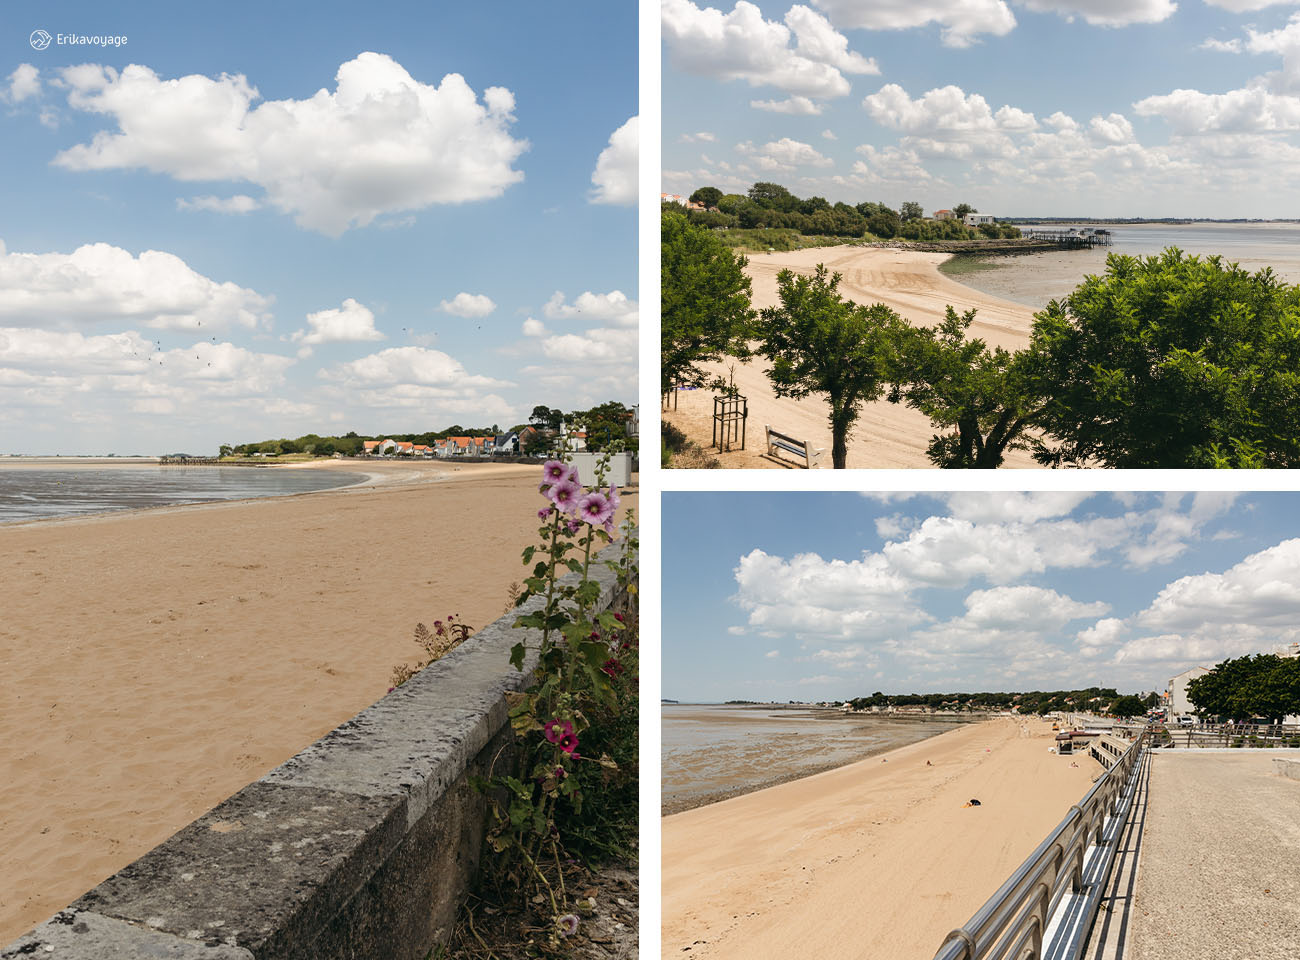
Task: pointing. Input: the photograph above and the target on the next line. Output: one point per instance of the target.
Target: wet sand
(887, 434)
(877, 860)
(157, 661)
(712, 753)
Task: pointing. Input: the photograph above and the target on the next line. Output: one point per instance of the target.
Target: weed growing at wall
(445, 636)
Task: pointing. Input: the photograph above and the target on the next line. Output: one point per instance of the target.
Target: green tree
(911, 210)
(1172, 361)
(603, 424)
(985, 399)
(536, 444)
(288, 446)
(818, 342)
(962, 209)
(884, 223)
(705, 302)
(1264, 685)
(814, 205)
(773, 196)
(709, 196)
(1128, 706)
(731, 203)
(224, 450)
(542, 417)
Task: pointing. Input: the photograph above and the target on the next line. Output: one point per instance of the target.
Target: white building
(1179, 705)
(975, 219)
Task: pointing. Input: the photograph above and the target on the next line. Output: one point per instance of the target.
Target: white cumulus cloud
(803, 56)
(614, 307)
(468, 305)
(784, 154)
(1106, 13)
(615, 176)
(1248, 110)
(24, 82)
(381, 142)
(408, 365)
(599, 345)
(351, 323)
(98, 282)
(797, 106)
(962, 22)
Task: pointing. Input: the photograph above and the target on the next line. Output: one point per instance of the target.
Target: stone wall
(361, 846)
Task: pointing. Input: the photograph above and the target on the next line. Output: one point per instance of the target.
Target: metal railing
(1229, 735)
(1015, 921)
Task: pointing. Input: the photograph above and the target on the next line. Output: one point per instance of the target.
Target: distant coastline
(1168, 221)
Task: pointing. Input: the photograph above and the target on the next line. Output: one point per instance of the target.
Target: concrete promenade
(1219, 875)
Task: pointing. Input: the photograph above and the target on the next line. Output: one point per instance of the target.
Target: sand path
(155, 662)
(887, 435)
(875, 860)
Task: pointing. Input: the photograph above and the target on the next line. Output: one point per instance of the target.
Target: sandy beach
(886, 435)
(157, 661)
(877, 860)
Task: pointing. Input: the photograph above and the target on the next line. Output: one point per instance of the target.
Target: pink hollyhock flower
(612, 495)
(553, 471)
(609, 526)
(569, 742)
(568, 924)
(543, 514)
(574, 476)
(595, 508)
(556, 730)
(574, 526)
(564, 494)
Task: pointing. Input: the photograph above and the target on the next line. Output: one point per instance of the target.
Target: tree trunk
(840, 423)
(839, 446)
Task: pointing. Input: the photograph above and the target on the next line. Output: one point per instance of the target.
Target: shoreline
(681, 804)
(887, 435)
(374, 476)
(787, 870)
(161, 659)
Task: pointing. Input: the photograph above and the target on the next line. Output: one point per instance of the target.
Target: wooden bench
(777, 442)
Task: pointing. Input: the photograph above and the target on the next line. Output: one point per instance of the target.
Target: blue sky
(1104, 108)
(812, 596)
(359, 244)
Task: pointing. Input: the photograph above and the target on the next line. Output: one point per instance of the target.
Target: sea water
(712, 751)
(1037, 278)
(35, 492)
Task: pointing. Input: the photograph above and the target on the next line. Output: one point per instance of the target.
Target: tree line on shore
(602, 424)
(1162, 361)
(772, 206)
(1091, 699)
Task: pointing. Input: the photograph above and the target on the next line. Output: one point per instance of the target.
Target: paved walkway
(1219, 876)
